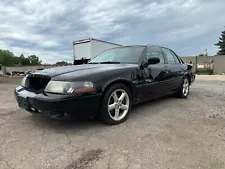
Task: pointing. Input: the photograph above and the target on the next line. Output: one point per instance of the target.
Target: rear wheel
(116, 104)
(184, 90)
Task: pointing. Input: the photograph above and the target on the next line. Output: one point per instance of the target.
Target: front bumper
(58, 106)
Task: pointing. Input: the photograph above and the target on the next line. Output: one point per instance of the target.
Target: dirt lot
(168, 133)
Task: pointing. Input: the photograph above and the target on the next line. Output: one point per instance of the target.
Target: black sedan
(108, 85)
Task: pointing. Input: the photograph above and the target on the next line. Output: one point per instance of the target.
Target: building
(218, 62)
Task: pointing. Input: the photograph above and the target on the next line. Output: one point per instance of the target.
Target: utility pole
(206, 52)
(196, 63)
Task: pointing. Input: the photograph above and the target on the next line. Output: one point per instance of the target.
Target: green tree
(24, 61)
(16, 61)
(62, 63)
(201, 54)
(34, 60)
(221, 44)
(6, 57)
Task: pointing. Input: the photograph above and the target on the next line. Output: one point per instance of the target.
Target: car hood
(82, 69)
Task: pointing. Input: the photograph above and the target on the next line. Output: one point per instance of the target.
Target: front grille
(37, 83)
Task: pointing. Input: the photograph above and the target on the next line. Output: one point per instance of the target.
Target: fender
(118, 80)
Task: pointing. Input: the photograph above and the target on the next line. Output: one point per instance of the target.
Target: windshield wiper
(93, 63)
(109, 62)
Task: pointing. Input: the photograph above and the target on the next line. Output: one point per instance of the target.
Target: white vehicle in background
(86, 49)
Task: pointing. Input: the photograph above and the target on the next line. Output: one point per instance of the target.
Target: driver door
(155, 76)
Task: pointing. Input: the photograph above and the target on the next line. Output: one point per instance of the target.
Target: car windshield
(119, 55)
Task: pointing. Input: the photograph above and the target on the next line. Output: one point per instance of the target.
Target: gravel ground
(168, 133)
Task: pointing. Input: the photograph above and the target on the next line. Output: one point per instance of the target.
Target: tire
(118, 99)
(185, 88)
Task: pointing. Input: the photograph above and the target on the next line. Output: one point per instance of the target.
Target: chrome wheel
(185, 87)
(118, 104)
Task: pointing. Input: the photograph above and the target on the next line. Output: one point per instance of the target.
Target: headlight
(23, 82)
(63, 87)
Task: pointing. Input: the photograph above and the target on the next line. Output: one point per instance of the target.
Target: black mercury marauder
(108, 85)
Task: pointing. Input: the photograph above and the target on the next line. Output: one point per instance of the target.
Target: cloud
(47, 28)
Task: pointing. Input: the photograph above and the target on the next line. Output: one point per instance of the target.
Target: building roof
(91, 39)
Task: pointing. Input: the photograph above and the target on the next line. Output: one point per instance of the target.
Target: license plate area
(23, 103)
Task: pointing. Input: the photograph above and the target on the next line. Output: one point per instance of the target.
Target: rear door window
(176, 59)
(169, 56)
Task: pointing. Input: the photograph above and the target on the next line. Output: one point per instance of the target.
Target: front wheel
(116, 104)
(185, 88)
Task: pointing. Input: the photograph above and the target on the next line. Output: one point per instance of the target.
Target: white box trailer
(86, 49)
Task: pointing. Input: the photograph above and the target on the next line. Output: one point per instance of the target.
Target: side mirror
(153, 60)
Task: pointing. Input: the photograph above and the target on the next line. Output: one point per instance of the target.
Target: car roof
(141, 46)
(149, 45)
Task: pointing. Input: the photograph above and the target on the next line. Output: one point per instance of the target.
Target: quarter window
(155, 51)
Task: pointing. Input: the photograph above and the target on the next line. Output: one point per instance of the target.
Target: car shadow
(150, 105)
(63, 126)
(140, 110)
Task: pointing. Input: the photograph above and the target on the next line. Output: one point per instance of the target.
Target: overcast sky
(47, 28)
